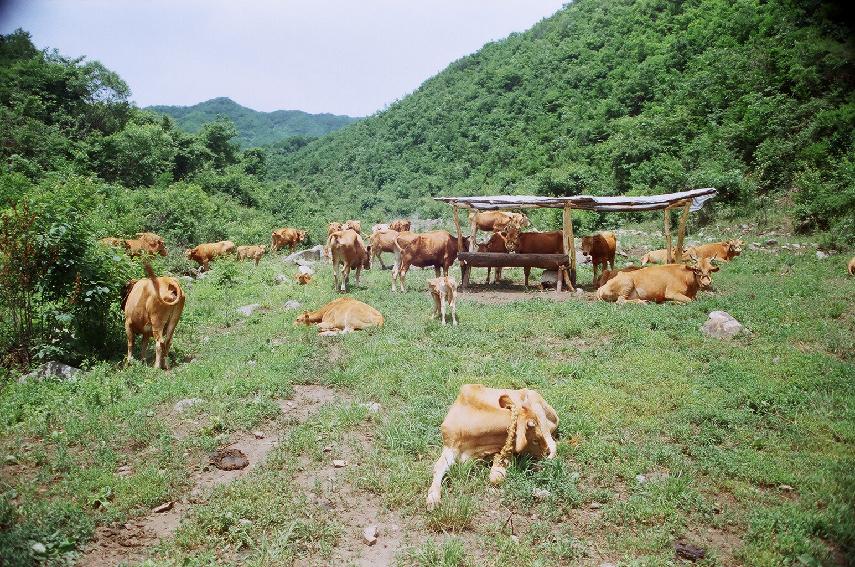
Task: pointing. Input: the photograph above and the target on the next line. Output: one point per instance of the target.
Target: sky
(339, 56)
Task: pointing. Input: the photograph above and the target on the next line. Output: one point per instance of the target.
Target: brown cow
(724, 251)
(498, 220)
(659, 256)
(479, 425)
(342, 315)
(382, 241)
(437, 249)
(251, 252)
(443, 290)
(334, 227)
(114, 242)
(600, 248)
(672, 282)
(497, 243)
(851, 267)
(539, 243)
(609, 274)
(348, 250)
(140, 246)
(290, 237)
(152, 308)
(303, 278)
(354, 225)
(400, 225)
(204, 253)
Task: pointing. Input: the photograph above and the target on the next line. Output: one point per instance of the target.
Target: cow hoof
(432, 499)
(497, 475)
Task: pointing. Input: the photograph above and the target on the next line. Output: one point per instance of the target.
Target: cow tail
(171, 295)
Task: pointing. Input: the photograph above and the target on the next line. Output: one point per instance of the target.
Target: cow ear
(505, 401)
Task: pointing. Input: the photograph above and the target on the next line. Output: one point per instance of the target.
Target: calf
(658, 256)
(600, 248)
(348, 251)
(251, 253)
(342, 315)
(204, 253)
(444, 292)
(486, 422)
(290, 237)
(382, 241)
(152, 308)
(400, 225)
(437, 249)
(724, 251)
(672, 282)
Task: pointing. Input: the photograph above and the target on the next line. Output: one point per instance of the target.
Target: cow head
(188, 253)
(301, 235)
(304, 319)
(703, 270)
(511, 234)
(334, 227)
(605, 277)
(354, 225)
(533, 433)
(734, 248)
(587, 247)
(157, 247)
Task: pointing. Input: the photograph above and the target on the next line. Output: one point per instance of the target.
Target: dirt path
(131, 543)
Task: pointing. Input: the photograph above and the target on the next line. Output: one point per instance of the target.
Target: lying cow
(437, 249)
(659, 256)
(610, 274)
(286, 237)
(382, 241)
(498, 220)
(204, 253)
(724, 251)
(480, 424)
(672, 282)
(348, 252)
(400, 225)
(342, 315)
(443, 290)
(251, 253)
(152, 308)
(600, 249)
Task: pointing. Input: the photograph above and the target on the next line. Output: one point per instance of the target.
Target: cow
(290, 237)
(443, 290)
(348, 251)
(497, 243)
(150, 237)
(334, 227)
(851, 267)
(204, 253)
(437, 249)
(671, 282)
(400, 225)
(152, 308)
(114, 242)
(497, 220)
(251, 252)
(600, 249)
(303, 278)
(659, 256)
(342, 315)
(140, 246)
(723, 251)
(539, 243)
(484, 422)
(382, 241)
(609, 274)
(354, 225)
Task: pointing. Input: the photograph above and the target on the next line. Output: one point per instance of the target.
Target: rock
(688, 551)
(303, 257)
(124, 471)
(258, 434)
(595, 505)
(292, 304)
(50, 370)
(165, 507)
(540, 493)
(640, 479)
(579, 291)
(369, 535)
(229, 459)
(776, 360)
(820, 255)
(247, 310)
(339, 463)
(771, 242)
(721, 325)
(201, 275)
(245, 522)
(305, 270)
(280, 278)
(182, 405)
(786, 488)
(328, 449)
(373, 407)
(38, 548)
(549, 279)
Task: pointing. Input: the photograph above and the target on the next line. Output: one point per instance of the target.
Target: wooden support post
(668, 251)
(474, 226)
(569, 244)
(459, 230)
(681, 231)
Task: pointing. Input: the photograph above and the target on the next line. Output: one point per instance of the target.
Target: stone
(820, 255)
(303, 257)
(595, 505)
(549, 279)
(328, 449)
(540, 493)
(182, 405)
(124, 471)
(786, 488)
(292, 304)
(247, 310)
(258, 434)
(50, 370)
(640, 479)
(688, 551)
(722, 325)
(771, 242)
(38, 548)
(369, 535)
(280, 278)
(165, 507)
(373, 407)
(339, 463)
(245, 522)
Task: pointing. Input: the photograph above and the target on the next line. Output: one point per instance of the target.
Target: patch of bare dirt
(131, 542)
(505, 293)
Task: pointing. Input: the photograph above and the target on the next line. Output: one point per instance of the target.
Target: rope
(501, 458)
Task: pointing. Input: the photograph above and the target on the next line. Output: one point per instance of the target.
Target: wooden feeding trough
(566, 263)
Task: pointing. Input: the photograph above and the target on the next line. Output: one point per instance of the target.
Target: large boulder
(50, 371)
(722, 325)
(305, 257)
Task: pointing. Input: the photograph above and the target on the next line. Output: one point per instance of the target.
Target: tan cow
(334, 227)
(498, 220)
(204, 253)
(600, 248)
(672, 282)
(400, 225)
(152, 308)
(140, 246)
(610, 274)
(724, 251)
(443, 290)
(251, 252)
(286, 237)
(437, 249)
(480, 424)
(659, 256)
(114, 242)
(348, 252)
(382, 241)
(354, 225)
(342, 315)
(303, 278)
(851, 267)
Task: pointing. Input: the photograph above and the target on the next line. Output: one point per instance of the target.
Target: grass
(747, 447)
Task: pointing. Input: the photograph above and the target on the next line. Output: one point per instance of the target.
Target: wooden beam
(668, 258)
(681, 231)
(569, 243)
(504, 260)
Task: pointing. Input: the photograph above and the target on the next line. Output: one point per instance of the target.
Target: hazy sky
(345, 57)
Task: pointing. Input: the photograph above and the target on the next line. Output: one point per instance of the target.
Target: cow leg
(402, 276)
(130, 335)
(622, 299)
(345, 276)
(527, 272)
(676, 296)
(498, 276)
(144, 347)
(442, 304)
(489, 269)
(435, 313)
(446, 459)
(453, 303)
(436, 271)
(358, 273)
(158, 344)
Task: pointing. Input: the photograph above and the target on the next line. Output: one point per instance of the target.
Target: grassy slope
(638, 390)
(255, 128)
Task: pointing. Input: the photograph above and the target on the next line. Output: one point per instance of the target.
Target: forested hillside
(613, 96)
(254, 128)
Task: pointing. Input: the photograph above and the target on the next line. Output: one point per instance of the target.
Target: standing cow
(152, 308)
(437, 249)
(600, 248)
(348, 251)
(286, 237)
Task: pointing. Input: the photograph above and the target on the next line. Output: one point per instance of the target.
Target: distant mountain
(254, 128)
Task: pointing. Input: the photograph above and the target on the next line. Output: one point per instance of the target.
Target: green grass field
(746, 447)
